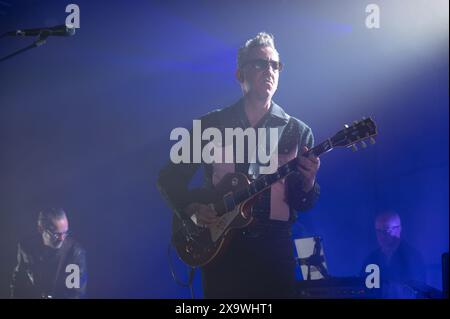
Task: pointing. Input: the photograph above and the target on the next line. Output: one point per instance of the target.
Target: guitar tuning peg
(363, 144)
(372, 140)
(354, 148)
(355, 122)
(346, 126)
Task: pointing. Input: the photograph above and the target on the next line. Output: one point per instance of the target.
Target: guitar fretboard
(264, 181)
(348, 136)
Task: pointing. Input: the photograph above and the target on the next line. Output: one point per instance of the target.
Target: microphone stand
(41, 39)
(315, 260)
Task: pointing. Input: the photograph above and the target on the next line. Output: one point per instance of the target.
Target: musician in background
(400, 264)
(42, 260)
(259, 260)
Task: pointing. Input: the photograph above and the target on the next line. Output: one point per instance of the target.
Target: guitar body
(235, 195)
(197, 246)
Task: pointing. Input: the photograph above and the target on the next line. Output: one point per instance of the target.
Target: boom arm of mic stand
(42, 38)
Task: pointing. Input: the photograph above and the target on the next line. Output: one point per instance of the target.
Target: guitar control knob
(363, 144)
(372, 140)
(354, 148)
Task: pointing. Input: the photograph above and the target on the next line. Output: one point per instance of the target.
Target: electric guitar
(232, 199)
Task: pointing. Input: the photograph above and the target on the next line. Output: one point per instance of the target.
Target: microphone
(59, 30)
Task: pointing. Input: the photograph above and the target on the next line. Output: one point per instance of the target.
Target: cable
(189, 284)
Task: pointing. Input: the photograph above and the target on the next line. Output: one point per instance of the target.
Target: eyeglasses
(57, 236)
(261, 64)
(387, 230)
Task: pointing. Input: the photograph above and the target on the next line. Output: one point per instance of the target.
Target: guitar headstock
(359, 131)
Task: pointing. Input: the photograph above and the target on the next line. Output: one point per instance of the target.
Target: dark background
(85, 122)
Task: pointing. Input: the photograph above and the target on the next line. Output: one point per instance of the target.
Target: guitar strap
(288, 136)
(291, 137)
(288, 150)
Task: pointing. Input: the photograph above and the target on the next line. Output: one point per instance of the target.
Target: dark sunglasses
(57, 235)
(261, 64)
(387, 230)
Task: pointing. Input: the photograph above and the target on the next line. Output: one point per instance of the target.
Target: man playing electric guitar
(258, 260)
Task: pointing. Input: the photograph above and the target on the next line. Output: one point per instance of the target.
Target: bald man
(398, 261)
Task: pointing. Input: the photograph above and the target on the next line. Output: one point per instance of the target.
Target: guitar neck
(348, 136)
(318, 150)
(265, 181)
